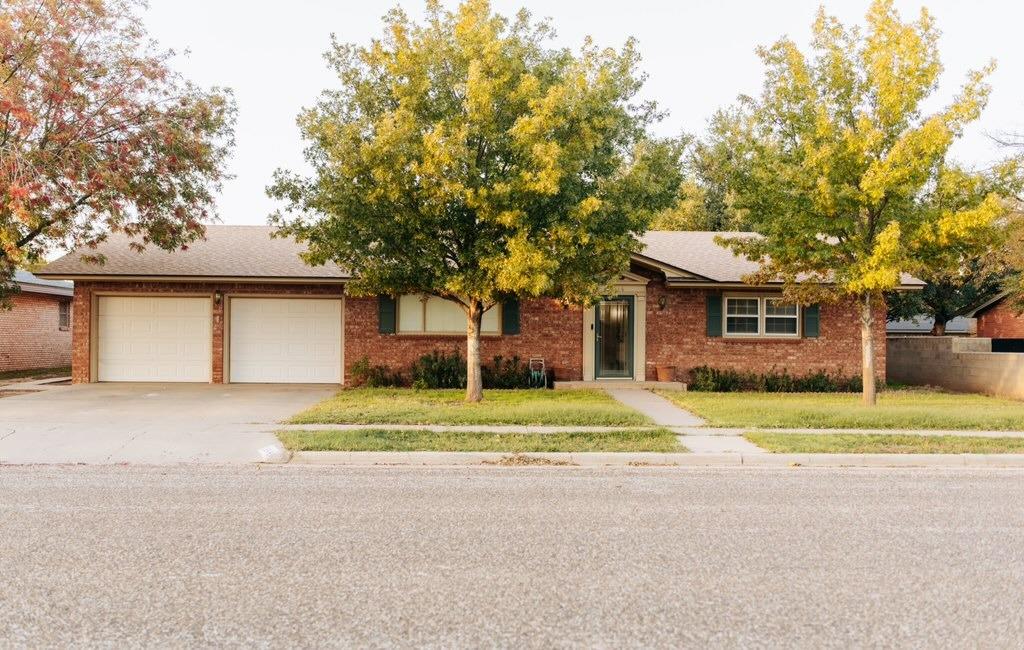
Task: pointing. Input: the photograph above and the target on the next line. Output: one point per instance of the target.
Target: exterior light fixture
(218, 297)
(662, 303)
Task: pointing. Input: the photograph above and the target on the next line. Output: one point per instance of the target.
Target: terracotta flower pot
(666, 373)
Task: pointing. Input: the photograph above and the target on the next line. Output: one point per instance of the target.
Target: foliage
(374, 376)
(835, 160)
(704, 201)
(897, 409)
(466, 158)
(509, 373)
(98, 134)
(525, 407)
(622, 440)
(707, 379)
(859, 443)
(439, 370)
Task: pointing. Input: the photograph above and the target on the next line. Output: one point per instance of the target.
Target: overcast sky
(699, 55)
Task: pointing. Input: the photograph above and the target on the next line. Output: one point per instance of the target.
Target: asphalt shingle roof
(251, 252)
(227, 251)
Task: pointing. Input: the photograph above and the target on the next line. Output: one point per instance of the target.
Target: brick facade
(676, 335)
(546, 330)
(1000, 321)
(30, 335)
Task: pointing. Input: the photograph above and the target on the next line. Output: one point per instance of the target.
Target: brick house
(999, 321)
(241, 306)
(36, 331)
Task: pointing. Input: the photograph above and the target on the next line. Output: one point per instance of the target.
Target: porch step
(624, 383)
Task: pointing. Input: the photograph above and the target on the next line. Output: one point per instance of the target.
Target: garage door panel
(143, 338)
(285, 340)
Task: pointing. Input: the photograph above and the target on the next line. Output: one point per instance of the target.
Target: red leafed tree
(98, 134)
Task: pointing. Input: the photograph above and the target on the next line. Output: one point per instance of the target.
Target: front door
(613, 329)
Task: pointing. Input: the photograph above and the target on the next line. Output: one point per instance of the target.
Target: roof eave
(111, 277)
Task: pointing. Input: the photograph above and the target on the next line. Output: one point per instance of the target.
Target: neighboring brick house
(36, 331)
(241, 306)
(999, 321)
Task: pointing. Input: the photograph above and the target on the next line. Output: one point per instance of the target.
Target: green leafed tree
(464, 157)
(835, 160)
(99, 134)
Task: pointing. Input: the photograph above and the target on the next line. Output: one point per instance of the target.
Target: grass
(34, 373)
(896, 409)
(855, 443)
(521, 407)
(658, 440)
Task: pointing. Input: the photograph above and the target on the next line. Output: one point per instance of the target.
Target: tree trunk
(474, 377)
(939, 328)
(867, 343)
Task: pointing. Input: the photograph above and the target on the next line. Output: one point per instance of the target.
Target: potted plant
(666, 373)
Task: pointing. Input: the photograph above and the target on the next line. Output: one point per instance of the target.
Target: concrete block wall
(955, 363)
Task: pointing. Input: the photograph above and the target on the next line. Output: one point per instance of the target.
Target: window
(761, 316)
(742, 316)
(418, 314)
(780, 319)
(64, 315)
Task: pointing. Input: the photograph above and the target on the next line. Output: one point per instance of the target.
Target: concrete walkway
(732, 432)
(662, 411)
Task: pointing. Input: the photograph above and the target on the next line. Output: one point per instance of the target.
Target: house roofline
(251, 279)
(988, 303)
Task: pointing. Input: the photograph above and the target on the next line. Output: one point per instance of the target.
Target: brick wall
(546, 330)
(1001, 322)
(30, 336)
(83, 303)
(677, 336)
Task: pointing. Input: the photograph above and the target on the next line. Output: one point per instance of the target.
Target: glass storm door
(613, 332)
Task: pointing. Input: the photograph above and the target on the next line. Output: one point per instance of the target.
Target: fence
(956, 363)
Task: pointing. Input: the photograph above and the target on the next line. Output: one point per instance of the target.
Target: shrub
(364, 374)
(439, 370)
(507, 373)
(708, 379)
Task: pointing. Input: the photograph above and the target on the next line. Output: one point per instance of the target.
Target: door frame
(630, 337)
(628, 284)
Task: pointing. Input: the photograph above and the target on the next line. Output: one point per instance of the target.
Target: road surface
(524, 557)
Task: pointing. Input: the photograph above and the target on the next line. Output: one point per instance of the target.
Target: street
(279, 556)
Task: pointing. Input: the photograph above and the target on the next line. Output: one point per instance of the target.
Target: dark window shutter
(812, 321)
(386, 314)
(714, 315)
(510, 317)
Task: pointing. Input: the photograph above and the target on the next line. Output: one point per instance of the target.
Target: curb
(601, 459)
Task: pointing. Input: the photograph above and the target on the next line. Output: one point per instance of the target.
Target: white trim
(762, 333)
(629, 285)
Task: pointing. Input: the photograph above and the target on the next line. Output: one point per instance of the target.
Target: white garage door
(285, 340)
(153, 339)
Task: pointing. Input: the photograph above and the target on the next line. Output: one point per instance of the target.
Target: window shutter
(510, 316)
(812, 321)
(386, 313)
(714, 315)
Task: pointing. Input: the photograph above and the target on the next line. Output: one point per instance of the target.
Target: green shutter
(812, 321)
(714, 315)
(510, 316)
(386, 314)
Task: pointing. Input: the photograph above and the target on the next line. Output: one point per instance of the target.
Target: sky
(699, 56)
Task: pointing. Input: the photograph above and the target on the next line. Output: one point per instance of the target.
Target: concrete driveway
(148, 423)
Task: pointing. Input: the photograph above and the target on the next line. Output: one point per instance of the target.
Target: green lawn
(853, 443)
(896, 409)
(659, 440)
(523, 407)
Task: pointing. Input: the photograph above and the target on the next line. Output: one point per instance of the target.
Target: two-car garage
(171, 339)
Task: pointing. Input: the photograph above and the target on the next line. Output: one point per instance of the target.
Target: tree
(963, 273)
(704, 201)
(463, 158)
(835, 159)
(98, 134)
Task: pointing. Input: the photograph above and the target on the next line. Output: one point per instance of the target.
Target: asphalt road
(527, 557)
